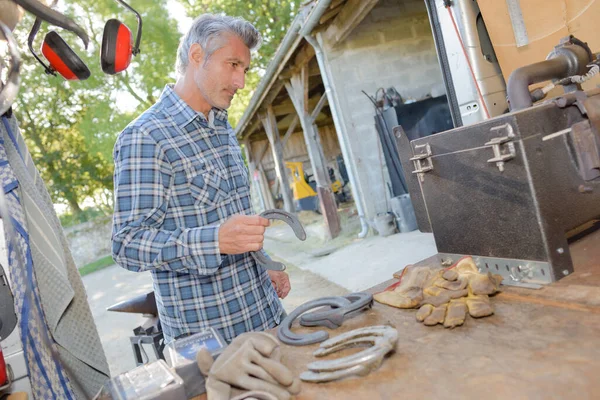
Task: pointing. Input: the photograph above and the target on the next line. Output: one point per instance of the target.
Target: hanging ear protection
(61, 58)
(117, 44)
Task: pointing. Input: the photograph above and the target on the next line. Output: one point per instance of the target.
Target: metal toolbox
(507, 190)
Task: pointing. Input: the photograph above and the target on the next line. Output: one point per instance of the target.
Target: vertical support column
(270, 124)
(254, 183)
(298, 91)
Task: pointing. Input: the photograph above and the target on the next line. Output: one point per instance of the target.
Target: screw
(585, 189)
(565, 272)
(560, 250)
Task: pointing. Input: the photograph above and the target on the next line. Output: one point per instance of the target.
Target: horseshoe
(296, 226)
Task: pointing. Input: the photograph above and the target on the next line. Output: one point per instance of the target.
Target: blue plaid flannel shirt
(178, 176)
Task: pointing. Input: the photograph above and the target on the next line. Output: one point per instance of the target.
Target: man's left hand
(281, 282)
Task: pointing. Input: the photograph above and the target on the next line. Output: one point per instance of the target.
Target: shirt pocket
(208, 185)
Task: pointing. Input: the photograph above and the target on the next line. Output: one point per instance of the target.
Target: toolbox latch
(422, 160)
(502, 146)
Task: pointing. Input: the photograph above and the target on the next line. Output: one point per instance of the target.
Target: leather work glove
(251, 362)
(445, 295)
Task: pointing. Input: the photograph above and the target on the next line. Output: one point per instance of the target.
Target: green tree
(271, 17)
(71, 127)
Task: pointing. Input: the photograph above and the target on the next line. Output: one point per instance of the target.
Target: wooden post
(253, 172)
(297, 89)
(270, 125)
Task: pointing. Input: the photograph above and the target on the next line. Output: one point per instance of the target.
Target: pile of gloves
(252, 362)
(443, 296)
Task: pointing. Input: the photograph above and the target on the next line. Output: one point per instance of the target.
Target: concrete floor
(351, 265)
(355, 264)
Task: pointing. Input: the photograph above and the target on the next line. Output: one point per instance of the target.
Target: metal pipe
(566, 60)
(340, 128)
(519, 81)
(313, 18)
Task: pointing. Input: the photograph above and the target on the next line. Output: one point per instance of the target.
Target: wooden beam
(353, 12)
(277, 86)
(304, 55)
(270, 124)
(251, 129)
(290, 130)
(317, 110)
(252, 171)
(263, 153)
(333, 11)
(284, 123)
(335, 3)
(312, 71)
(298, 91)
(289, 108)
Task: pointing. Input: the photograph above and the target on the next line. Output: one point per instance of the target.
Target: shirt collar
(182, 112)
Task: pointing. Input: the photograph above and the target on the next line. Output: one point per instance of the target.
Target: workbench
(539, 344)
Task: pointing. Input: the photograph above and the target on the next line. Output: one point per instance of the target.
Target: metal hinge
(502, 146)
(424, 155)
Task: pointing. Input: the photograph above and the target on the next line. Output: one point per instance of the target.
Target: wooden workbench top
(539, 344)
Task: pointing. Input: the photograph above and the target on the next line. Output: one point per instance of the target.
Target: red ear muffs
(63, 59)
(117, 47)
(117, 43)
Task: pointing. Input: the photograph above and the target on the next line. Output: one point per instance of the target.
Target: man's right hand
(242, 233)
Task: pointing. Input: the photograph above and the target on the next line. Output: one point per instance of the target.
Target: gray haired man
(182, 197)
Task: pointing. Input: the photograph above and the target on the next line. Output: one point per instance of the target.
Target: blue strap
(11, 135)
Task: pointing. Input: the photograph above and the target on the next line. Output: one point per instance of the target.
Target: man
(182, 197)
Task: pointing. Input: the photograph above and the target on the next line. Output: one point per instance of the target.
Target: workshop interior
(502, 169)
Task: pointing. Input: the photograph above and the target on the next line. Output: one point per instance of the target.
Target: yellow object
(300, 188)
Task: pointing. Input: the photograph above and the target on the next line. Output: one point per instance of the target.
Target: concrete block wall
(392, 46)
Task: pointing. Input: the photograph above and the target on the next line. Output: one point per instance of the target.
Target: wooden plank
(289, 108)
(263, 153)
(277, 86)
(313, 70)
(523, 351)
(335, 3)
(251, 129)
(332, 12)
(352, 14)
(317, 110)
(531, 348)
(290, 130)
(297, 89)
(270, 125)
(305, 54)
(252, 171)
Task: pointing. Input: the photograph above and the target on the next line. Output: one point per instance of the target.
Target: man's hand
(281, 282)
(242, 233)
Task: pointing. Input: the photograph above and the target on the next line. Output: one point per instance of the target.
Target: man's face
(225, 72)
